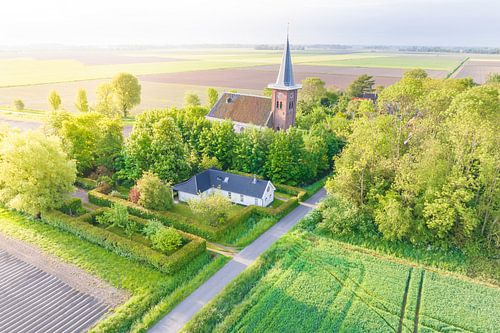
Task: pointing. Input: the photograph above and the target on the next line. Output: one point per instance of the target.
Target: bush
(72, 207)
(341, 217)
(126, 247)
(104, 184)
(134, 195)
(153, 194)
(86, 183)
(213, 207)
(18, 105)
(118, 216)
(166, 239)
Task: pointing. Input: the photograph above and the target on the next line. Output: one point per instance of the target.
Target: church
(250, 111)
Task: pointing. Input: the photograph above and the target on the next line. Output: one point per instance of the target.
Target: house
(250, 111)
(238, 189)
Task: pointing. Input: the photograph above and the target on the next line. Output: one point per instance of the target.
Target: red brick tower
(284, 97)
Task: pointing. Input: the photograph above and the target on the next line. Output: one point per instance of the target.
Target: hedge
(86, 183)
(183, 223)
(126, 247)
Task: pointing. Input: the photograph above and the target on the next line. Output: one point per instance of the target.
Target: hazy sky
(394, 22)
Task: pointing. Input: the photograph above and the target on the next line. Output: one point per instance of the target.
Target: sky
(164, 22)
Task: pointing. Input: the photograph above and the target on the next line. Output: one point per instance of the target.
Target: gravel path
(183, 312)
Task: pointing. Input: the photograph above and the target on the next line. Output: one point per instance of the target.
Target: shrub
(214, 208)
(166, 239)
(104, 184)
(72, 207)
(86, 183)
(341, 217)
(18, 105)
(118, 216)
(134, 195)
(153, 194)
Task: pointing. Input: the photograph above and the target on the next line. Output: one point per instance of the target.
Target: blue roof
(225, 181)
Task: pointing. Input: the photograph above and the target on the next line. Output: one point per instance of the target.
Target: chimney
(254, 181)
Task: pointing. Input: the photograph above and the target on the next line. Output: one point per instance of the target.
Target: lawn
(153, 293)
(309, 283)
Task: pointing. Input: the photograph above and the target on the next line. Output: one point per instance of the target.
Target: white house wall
(235, 197)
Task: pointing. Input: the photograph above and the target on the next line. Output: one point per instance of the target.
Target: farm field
(320, 285)
(167, 74)
(479, 69)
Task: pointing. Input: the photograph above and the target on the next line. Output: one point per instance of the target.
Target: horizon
(431, 23)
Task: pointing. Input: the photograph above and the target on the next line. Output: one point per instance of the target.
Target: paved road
(25, 125)
(181, 314)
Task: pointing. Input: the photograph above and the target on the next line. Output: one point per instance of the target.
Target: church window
(277, 105)
(281, 105)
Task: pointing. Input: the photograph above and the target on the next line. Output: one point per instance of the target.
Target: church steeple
(285, 79)
(284, 96)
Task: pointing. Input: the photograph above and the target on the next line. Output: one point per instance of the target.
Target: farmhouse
(247, 111)
(238, 189)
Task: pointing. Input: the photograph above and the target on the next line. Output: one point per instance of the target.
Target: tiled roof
(225, 181)
(248, 109)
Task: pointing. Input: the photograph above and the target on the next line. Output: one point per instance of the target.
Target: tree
(251, 150)
(212, 208)
(18, 105)
(213, 97)
(191, 99)
(126, 91)
(106, 104)
(285, 161)
(156, 145)
(54, 100)
(91, 138)
(493, 78)
(208, 162)
(219, 141)
(82, 104)
(153, 193)
(313, 88)
(363, 84)
(268, 92)
(36, 173)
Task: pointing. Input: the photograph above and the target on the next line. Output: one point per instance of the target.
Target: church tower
(284, 96)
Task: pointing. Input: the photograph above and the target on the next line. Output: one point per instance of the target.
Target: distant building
(238, 189)
(247, 111)
(367, 97)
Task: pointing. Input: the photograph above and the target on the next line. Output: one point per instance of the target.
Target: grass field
(152, 293)
(308, 283)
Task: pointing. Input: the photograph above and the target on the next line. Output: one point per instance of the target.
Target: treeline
(422, 165)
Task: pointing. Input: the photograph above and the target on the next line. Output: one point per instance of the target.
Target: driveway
(183, 312)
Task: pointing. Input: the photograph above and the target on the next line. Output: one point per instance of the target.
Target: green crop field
(435, 62)
(319, 285)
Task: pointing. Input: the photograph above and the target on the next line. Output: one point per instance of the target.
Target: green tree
(313, 88)
(18, 105)
(250, 153)
(191, 99)
(219, 141)
(211, 208)
(153, 193)
(268, 92)
(362, 85)
(82, 103)
(36, 173)
(493, 78)
(285, 161)
(213, 97)
(54, 100)
(156, 145)
(106, 103)
(208, 162)
(126, 91)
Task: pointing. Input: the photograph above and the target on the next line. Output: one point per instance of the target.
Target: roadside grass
(148, 287)
(310, 283)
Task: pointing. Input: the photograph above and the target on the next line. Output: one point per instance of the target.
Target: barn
(238, 189)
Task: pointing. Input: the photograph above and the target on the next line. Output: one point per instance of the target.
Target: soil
(70, 274)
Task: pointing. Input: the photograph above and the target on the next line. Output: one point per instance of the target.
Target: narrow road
(183, 312)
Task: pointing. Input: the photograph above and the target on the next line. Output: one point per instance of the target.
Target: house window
(256, 202)
(229, 195)
(241, 197)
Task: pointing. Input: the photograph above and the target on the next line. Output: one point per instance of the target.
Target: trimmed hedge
(86, 183)
(183, 223)
(126, 247)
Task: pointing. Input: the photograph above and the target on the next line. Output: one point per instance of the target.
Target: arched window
(281, 105)
(277, 105)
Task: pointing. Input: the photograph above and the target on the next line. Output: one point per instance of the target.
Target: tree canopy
(127, 92)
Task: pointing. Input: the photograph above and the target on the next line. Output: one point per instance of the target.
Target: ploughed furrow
(32, 300)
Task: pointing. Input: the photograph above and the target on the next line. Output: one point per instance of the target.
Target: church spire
(285, 79)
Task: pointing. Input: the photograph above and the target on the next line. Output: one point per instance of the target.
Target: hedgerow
(86, 183)
(167, 263)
